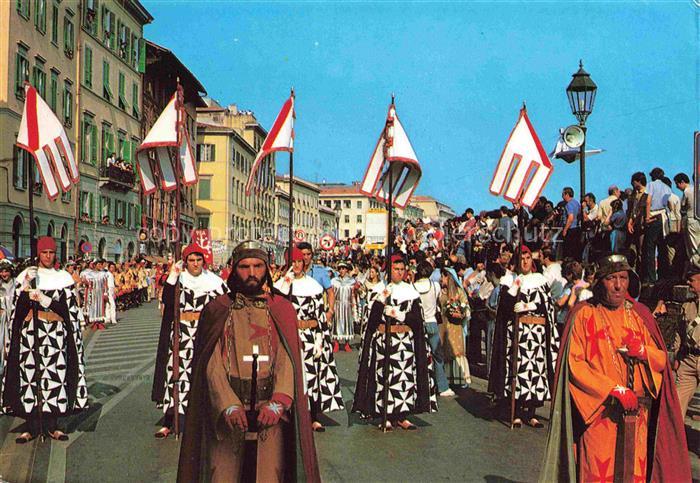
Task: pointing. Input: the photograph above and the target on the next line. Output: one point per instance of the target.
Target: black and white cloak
(61, 362)
(195, 293)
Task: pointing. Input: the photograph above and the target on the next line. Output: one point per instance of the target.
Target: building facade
(435, 210)
(111, 60)
(37, 46)
(163, 69)
(307, 225)
(351, 205)
(227, 143)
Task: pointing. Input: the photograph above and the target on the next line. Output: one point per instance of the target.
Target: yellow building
(435, 210)
(37, 45)
(227, 143)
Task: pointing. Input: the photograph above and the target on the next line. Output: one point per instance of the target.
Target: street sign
(327, 242)
(86, 247)
(696, 171)
(299, 235)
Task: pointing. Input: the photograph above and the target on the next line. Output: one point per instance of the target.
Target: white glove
(37, 296)
(30, 275)
(383, 296)
(394, 312)
(520, 307)
(515, 287)
(174, 273)
(318, 345)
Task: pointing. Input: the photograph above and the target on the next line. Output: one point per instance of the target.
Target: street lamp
(581, 93)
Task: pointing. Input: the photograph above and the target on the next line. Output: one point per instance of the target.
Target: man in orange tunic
(605, 337)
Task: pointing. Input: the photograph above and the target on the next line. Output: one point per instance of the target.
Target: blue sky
(460, 71)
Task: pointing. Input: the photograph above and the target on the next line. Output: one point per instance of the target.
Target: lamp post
(581, 93)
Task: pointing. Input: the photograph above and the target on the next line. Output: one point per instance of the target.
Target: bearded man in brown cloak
(252, 318)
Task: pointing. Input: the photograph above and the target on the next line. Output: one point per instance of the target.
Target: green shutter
(93, 145)
(88, 67)
(142, 56)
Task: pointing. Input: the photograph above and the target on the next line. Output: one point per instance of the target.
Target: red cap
(45, 243)
(396, 258)
(525, 249)
(297, 254)
(194, 248)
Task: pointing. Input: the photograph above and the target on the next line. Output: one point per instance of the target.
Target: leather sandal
(407, 425)
(57, 435)
(535, 423)
(517, 423)
(318, 427)
(162, 433)
(24, 438)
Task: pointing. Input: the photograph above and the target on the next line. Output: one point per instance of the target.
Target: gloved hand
(393, 312)
(515, 286)
(318, 345)
(235, 417)
(383, 296)
(175, 271)
(29, 275)
(37, 296)
(520, 307)
(626, 397)
(635, 346)
(270, 413)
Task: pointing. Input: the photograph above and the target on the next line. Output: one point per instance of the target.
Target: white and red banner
(524, 168)
(393, 161)
(280, 138)
(202, 238)
(168, 131)
(42, 134)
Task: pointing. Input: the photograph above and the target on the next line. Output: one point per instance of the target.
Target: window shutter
(93, 144)
(142, 56)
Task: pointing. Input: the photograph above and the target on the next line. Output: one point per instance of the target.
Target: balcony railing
(117, 177)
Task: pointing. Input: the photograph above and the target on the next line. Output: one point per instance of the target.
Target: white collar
(49, 278)
(204, 282)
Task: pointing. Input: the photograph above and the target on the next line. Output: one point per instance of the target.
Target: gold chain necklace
(614, 353)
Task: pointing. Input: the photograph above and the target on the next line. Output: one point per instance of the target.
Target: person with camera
(687, 359)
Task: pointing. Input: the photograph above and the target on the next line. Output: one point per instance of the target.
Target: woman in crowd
(454, 306)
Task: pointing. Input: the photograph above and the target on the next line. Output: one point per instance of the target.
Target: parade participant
(197, 287)
(320, 274)
(45, 317)
(344, 318)
(411, 387)
(95, 282)
(370, 288)
(7, 304)
(605, 337)
(429, 292)
(525, 306)
(111, 311)
(320, 374)
(233, 326)
(454, 306)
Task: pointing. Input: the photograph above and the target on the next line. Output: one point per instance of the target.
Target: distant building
(433, 209)
(306, 207)
(227, 142)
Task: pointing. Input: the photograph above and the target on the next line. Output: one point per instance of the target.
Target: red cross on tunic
(594, 337)
(258, 332)
(602, 476)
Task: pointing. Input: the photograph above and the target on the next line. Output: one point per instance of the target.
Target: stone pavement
(113, 441)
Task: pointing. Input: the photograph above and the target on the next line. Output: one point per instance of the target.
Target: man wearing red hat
(321, 376)
(525, 307)
(197, 287)
(45, 316)
(411, 378)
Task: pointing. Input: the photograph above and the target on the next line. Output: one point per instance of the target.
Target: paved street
(113, 441)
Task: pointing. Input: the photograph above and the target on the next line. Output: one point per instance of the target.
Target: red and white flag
(395, 161)
(168, 131)
(42, 134)
(524, 168)
(280, 138)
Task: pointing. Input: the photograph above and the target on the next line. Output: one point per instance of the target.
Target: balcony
(117, 177)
